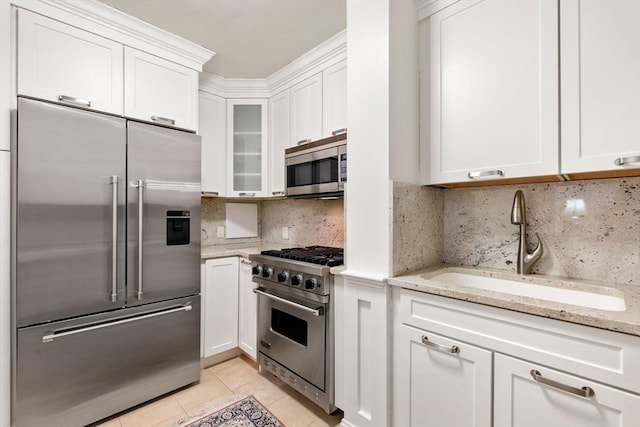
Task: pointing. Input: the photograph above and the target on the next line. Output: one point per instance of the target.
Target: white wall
(6, 94)
(368, 192)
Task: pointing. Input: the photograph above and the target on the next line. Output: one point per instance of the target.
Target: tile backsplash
(308, 222)
(590, 229)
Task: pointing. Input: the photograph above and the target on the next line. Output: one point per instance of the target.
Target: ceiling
(251, 38)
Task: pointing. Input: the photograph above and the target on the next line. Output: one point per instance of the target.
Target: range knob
(267, 272)
(283, 276)
(296, 280)
(257, 270)
(311, 283)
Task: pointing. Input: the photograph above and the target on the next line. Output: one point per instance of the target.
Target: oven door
(292, 331)
(315, 172)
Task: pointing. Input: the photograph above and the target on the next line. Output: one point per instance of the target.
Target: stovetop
(322, 255)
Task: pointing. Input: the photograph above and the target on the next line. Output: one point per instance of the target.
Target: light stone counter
(627, 321)
(338, 269)
(241, 249)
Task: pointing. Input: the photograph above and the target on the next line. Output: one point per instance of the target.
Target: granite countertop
(241, 249)
(627, 321)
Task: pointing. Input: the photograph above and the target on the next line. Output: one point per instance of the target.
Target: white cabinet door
(248, 310)
(306, 109)
(439, 381)
(334, 98)
(61, 63)
(246, 147)
(521, 401)
(600, 81)
(160, 91)
(494, 90)
(212, 129)
(220, 305)
(279, 140)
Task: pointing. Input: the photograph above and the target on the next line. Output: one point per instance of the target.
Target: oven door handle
(314, 311)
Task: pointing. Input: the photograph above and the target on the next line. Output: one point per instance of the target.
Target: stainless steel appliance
(106, 263)
(295, 318)
(317, 169)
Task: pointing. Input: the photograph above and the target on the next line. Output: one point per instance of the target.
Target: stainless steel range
(295, 318)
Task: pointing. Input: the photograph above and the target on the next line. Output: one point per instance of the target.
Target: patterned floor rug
(246, 412)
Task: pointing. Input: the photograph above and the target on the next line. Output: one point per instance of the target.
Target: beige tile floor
(218, 384)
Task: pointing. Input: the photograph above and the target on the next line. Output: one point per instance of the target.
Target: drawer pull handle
(621, 161)
(209, 193)
(72, 100)
(245, 261)
(339, 131)
(479, 174)
(454, 349)
(164, 120)
(246, 194)
(584, 391)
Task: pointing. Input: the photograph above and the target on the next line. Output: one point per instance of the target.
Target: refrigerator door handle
(53, 335)
(114, 238)
(140, 184)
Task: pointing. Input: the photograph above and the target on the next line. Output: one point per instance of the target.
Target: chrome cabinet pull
(209, 193)
(72, 100)
(621, 161)
(454, 349)
(303, 141)
(139, 184)
(583, 392)
(165, 120)
(338, 131)
(314, 311)
(50, 336)
(114, 238)
(277, 193)
(478, 174)
(246, 194)
(245, 261)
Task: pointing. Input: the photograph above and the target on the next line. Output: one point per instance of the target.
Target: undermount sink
(525, 289)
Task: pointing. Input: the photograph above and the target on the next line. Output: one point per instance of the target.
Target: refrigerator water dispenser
(178, 227)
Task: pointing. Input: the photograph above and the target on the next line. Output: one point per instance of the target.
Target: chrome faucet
(526, 260)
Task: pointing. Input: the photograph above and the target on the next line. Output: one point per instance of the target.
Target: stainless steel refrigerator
(106, 263)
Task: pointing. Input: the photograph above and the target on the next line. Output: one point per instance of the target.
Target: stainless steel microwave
(317, 169)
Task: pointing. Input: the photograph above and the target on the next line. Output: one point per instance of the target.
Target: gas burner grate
(323, 255)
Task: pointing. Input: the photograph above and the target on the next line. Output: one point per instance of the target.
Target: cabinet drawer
(605, 356)
(58, 62)
(160, 91)
(553, 398)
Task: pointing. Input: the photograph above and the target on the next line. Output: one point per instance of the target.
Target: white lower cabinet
(220, 306)
(555, 398)
(457, 363)
(247, 311)
(440, 382)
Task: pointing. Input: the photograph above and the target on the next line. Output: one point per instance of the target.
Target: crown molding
(320, 57)
(103, 20)
(426, 8)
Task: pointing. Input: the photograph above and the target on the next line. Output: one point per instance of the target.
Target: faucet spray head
(518, 209)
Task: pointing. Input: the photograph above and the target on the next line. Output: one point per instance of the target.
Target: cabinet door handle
(164, 120)
(72, 100)
(246, 194)
(478, 174)
(209, 193)
(339, 131)
(454, 349)
(277, 193)
(621, 161)
(303, 141)
(583, 392)
(245, 261)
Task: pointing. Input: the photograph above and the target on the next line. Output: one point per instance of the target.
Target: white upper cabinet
(58, 62)
(279, 140)
(494, 90)
(306, 108)
(160, 91)
(334, 98)
(600, 83)
(212, 129)
(246, 147)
